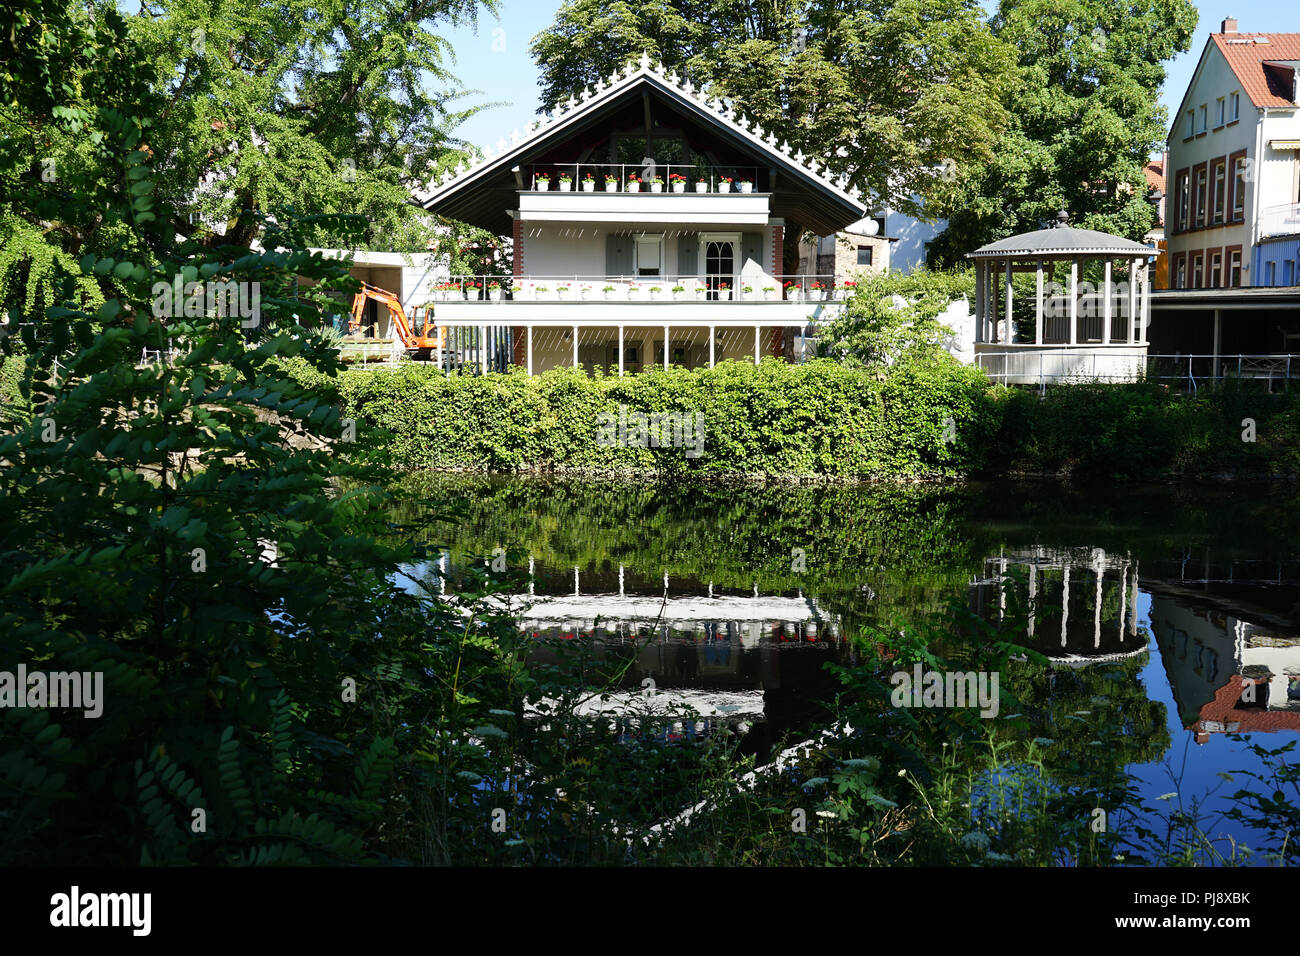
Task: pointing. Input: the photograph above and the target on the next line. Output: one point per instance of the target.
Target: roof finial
(644, 60)
(1062, 219)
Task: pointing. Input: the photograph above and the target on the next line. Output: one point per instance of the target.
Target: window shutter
(688, 254)
(618, 255)
(751, 247)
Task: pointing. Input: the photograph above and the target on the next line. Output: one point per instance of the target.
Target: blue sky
(494, 60)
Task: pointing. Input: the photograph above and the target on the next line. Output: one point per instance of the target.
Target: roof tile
(1247, 61)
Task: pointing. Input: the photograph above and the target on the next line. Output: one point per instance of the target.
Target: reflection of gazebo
(1080, 330)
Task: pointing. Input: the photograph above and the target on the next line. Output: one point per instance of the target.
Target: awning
(1284, 143)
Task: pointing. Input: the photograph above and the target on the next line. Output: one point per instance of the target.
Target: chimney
(1229, 27)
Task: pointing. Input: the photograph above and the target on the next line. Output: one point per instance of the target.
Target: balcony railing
(640, 177)
(1283, 220)
(592, 288)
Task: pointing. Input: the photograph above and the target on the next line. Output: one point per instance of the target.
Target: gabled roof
(1062, 241)
(820, 202)
(1248, 55)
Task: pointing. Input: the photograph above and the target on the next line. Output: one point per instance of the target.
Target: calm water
(1152, 603)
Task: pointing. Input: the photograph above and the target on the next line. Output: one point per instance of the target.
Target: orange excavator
(418, 335)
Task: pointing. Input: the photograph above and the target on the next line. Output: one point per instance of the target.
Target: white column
(1038, 307)
(713, 334)
(992, 313)
(1074, 301)
(529, 348)
(665, 346)
(575, 346)
(531, 583)
(482, 348)
(576, 592)
(1133, 606)
(438, 351)
(1096, 617)
(979, 301)
(1132, 300)
(1011, 329)
(1065, 601)
(756, 334)
(1033, 592)
(620, 355)
(1105, 309)
(620, 580)
(1123, 601)
(1145, 303)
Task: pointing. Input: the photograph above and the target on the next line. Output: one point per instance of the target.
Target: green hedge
(824, 420)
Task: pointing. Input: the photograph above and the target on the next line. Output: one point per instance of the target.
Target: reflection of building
(1082, 603)
(1228, 675)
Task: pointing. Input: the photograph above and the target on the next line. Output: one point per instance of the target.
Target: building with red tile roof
(1233, 170)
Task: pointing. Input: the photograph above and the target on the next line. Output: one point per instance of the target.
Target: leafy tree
(894, 94)
(892, 318)
(260, 112)
(1085, 118)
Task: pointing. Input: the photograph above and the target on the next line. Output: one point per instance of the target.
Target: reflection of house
(1228, 675)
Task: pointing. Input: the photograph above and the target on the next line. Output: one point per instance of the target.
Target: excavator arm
(405, 332)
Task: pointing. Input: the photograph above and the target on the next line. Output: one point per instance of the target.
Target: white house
(1233, 169)
(648, 224)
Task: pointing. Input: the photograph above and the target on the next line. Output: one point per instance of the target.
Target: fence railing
(644, 177)
(600, 288)
(1280, 220)
(1042, 367)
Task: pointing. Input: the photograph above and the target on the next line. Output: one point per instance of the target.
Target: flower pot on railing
(746, 187)
(566, 185)
(471, 292)
(495, 294)
(724, 185)
(701, 186)
(699, 293)
(611, 185)
(679, 292)
(562, 293)
(543, 185)
(656, 187)
(634, 186)
(589, 185)
(724, 295)
(610, 293)
(769, 295)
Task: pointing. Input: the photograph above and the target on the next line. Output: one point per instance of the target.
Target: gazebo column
(756, 345)
(993, 306)
(482, 349)
(979, 302)
(1011, 330)
(1132, 300)
(528, 350)
(620, 351)
(1074, 301)
(575, 346)
(1033, 592)
(1105, 308)
(1038, 305)
(1065, 600)
(713, 335)
(1145, 307)
(666, 352)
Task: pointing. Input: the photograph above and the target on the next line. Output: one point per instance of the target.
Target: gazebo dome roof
(1062, 240)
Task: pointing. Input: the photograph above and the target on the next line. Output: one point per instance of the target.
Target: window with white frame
(1205, 115)
(1219, 111)
(1234, 107)
(649, 255)
(1189, 122)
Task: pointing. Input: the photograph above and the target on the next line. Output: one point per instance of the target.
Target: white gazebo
(1081, 330)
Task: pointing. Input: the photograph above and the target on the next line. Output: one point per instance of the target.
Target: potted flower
(562, 292)
(657, 184)
(566, 182)
(849, 286)
(585, 293)
(471, 290)
(745, 186)
(633, 183)
(611, 183)
(541, 291)
(818, 290)
(543, 181)
(515, 291)
(678, 290)
(724, 292)
(494, 291)
(589, 183)
(724, 184)
(769, 292)
(747, 291)
(655, 290)
(701, 185)
(678, 182)
(793, 291)
(609, 291)
(701, 291)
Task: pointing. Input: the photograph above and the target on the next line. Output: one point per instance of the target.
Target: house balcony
(646, 193)
(1281, 220)
(612, 301)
